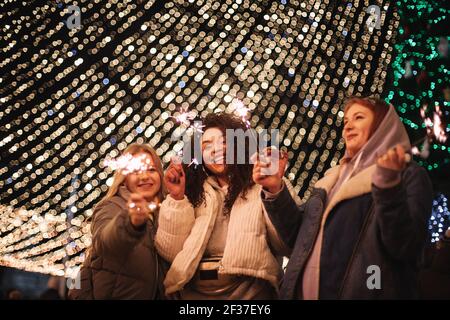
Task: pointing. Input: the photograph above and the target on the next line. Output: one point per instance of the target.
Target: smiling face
(147, 183)
(214, 151)
(358, 121)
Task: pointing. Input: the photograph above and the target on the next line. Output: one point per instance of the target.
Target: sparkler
(127, 163)
(197, 127)
(151, 206)
(435, 131)
(195, 162)
(185, 117)
(178, 159)
(241, 110)
(435, 127)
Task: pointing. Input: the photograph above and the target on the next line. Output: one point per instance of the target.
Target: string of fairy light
(71, 98)
(440, 217)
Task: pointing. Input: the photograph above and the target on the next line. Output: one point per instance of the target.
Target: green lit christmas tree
(419, 81)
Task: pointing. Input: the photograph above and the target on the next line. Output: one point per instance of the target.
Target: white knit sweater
(183, 234)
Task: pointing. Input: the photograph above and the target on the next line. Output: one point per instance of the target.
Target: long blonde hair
(119, 178)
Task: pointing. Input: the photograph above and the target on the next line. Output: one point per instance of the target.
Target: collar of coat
(357, 185)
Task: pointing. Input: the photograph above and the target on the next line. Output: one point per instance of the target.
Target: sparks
(128, 163)
(152, 206)
(241, 110)
(194, 162)
(435, 127)
(178, 159)
(185, 117)
(197, 127)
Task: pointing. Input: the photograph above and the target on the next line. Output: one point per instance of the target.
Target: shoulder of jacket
(413, 167)
(415, 171)
(328, 179)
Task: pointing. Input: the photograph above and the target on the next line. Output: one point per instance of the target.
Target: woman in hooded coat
(361, 233)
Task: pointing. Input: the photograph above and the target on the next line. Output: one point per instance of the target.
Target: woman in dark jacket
(361, 233)
(122, 262)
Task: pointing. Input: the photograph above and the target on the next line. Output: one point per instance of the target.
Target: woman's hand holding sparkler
(175, 180)
(269, 168)
(395, 159)
(139, 210)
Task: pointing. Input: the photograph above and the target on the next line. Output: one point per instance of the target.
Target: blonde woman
(123, 262)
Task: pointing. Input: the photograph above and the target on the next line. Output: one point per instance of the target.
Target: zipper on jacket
(350, 262)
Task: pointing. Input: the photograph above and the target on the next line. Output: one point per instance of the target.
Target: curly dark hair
(239, 175)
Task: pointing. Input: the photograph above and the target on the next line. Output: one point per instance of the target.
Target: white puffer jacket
(184, 232)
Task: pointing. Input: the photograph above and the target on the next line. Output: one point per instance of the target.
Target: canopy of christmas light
(73, 97)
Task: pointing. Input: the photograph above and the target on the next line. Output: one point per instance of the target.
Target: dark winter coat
(364, 226)
(122, 262)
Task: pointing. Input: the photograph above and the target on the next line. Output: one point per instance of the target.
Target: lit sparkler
(435, 126)
(197, 127)
(178, 159)
(128, 163)
(241, 110)
(185, 117)
(151, 206)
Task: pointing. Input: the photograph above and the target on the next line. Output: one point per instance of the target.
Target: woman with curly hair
(213, 226)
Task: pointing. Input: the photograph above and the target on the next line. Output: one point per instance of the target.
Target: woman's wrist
(385, 178)
(276, 189)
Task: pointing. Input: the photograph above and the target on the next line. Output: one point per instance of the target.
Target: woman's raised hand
(394, 159)
(175, 180)
(138, 209)
(268, 169)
